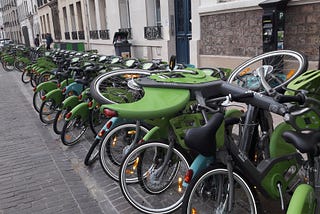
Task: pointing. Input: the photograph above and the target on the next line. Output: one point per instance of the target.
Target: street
(38, 174)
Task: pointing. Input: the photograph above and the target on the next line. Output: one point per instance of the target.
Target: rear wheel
(36, 100)
(73, 130)
(48, 111)
(26, 76)
(159, 188)
(116, 144)
(8, 66)
(59, 121)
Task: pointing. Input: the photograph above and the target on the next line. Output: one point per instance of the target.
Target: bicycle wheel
(44, 77)
(286, 65)
(48, 111)
(117, 86)
(59, 121)
(96, 120)
(26, 76)
(93, 153)
(19, 65)
(73, 130)
(115, 145)
(159, 189)
(8, 66)
(36, 100)
(209, 192)
(34, 79)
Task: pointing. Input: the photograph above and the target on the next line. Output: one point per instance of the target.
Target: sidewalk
(38, 174)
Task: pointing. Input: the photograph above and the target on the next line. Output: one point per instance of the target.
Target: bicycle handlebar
(299, 98)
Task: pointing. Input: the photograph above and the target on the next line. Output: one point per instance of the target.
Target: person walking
(37, 41)
(49, 40)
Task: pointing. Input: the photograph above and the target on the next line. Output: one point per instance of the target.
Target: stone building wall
(240, 33)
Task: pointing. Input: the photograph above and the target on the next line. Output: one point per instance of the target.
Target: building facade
(220, 33)
(225, 33)
(29, 21)
(11, 24)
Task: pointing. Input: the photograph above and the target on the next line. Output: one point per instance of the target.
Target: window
(103, 17)
(72, 16)
(79, 14)
(65, 19)
(153, 12)
(92, 14)
(124, 14)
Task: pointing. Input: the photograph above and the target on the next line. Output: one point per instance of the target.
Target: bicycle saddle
(304, 142)
(203, 139)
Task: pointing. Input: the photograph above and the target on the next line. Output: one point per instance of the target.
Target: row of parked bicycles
(201, 140)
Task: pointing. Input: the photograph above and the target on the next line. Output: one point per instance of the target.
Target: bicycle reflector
(35, 88)
(64, 90)
(68, 115)
(43, 97)
(80, 97)
(188, 176)
(109, 113)
(90, 104)
(101, 133)
(58, 85)
(109, 124)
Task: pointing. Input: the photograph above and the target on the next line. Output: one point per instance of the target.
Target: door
(183, 30)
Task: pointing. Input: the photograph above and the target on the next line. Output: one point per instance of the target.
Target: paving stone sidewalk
(40, 175)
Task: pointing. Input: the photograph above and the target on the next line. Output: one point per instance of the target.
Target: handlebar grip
(299, 98)
(238, 97)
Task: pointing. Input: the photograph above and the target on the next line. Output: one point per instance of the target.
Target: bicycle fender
(70, 102)
(55, 95)
(81, 110)
(64, 82)
(199, 164)
(46, 86)
(75, 87)
(303, 200)
(115, 121)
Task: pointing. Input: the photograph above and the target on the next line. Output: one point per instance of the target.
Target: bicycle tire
(75, 124)
(207, 187)
(44, 77)
(7, 67)
(33, 80)
(96, 120)
(114, 85)
(59, 121)
(115, 145)
(19, 65)
(36, 100)
(93, 154)
(26, 76)
(166, 201)
(47, 111)
(287, 62)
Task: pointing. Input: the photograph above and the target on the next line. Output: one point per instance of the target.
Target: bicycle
(233, 169)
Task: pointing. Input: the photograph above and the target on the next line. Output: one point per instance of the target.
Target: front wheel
(209, 192)
(286, 65)
(36, 100)
(158, 171)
